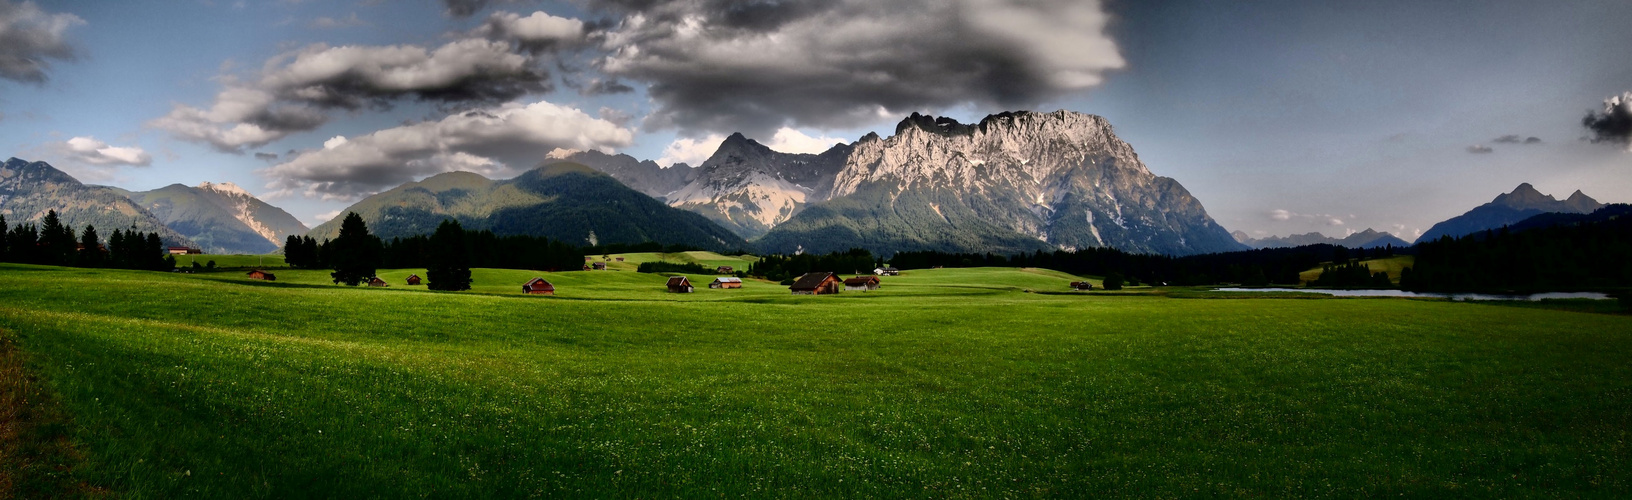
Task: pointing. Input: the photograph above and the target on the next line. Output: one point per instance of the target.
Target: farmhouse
(726, 283)
(599, 266)
(679, 284)
(376, 281)
(887, 271)
(861, 283)
(413, 279)
(262, 275)
(183, 250)
(538, 287)
(816, 284)
(724, 270)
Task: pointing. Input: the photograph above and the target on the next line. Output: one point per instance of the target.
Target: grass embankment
(710, 260)
(232, 261)
(945, 383)
(1393, 265)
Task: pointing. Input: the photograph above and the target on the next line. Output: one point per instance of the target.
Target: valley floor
(945, 383)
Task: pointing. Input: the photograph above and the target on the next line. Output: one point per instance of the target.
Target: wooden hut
(376, 281)
(598, 266)
(816, 284)
(679, 284)
(262, 275)
(413, 279)
(619, 259)
(538, 287)
(1081, 285)
(724, 270)
(726, 283)
(861, 283)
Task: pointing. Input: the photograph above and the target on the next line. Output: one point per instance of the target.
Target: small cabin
(183, 250)
(724, 270)
(1081, 285)
(262, 275)
(538, 287)
(726, 283)
(861, 283)
(816, 284)
(619, 259)
(679, 284)
(377, 282)
(413, 279)
(598, 266)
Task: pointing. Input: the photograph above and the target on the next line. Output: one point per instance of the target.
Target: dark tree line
(450, 253)
(1351, 274)
(1587, 255)
(784, 267)
(1250, 267)
(53, 243)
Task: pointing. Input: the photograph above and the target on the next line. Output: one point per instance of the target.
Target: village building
(183, 250)
(816, 284)
(538, 287)
(724, 270)
(679, 284)
(262, 275)
(726, 283)
(599, 266)
(1081, 285)
(376, 281)
(413, 279)
(861, 283)
(620, 259)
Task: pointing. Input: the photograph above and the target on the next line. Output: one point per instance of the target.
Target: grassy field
(232, 261)
(945, 383)
(710, 260)
(1393, 265)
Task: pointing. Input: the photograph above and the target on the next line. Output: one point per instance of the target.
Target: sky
(1282, 117)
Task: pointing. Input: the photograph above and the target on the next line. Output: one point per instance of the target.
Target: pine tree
(1113, 281)
(56, 241)
(3, 249)
(354, 254)
(154, 256)
(90, 251)
(449, 266)
(24, 243)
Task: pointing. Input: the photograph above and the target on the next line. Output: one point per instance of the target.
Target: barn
(861, 283)
(726, 283)
(262, 275)
(537, 286)
(816, 284)
(599, 266)
(1081, 285)
(376, 281)
(413, 279)
(724, 270)
(679, 284)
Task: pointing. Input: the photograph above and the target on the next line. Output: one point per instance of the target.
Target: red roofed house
(679, 284)
(538, 287)
(816, 284)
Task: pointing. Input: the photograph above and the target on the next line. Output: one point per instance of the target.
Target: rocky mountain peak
(1524, 196)
(227, 188)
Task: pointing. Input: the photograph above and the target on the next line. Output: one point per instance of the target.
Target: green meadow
(236, 261)
(967, 383)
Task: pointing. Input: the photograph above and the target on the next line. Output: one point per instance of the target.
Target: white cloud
(690, 151)
(538, 31)
(30, 38)
(788, 140)
(342, 22)
(1334, 221)
(90, 151)
(319, 219)
(1279, 214)
(487, 141)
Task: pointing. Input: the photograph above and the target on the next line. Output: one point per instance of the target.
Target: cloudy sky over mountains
(1280, 116)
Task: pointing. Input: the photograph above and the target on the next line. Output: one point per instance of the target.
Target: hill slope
(220, 218)
(1013, 182)
(1510, 208)
(29, 189)
(562, 201)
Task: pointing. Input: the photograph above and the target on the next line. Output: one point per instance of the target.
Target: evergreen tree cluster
(674, 267)
(447, 254)
(783, 267)
(1251, 267)
(55, 244)
(1594, 253)
(1351, 274)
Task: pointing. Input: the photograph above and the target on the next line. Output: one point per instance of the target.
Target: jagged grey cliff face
(1013, 182)
(749, 188)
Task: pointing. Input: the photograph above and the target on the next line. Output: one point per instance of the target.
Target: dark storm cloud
(600, 86)
(1614, 123)
(755, 66)
(464, 8)
(30, 39)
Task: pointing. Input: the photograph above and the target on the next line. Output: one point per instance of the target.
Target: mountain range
(219, 218)
(564, 201)
(1510, 208)
(29, 189)
(1364, 239)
